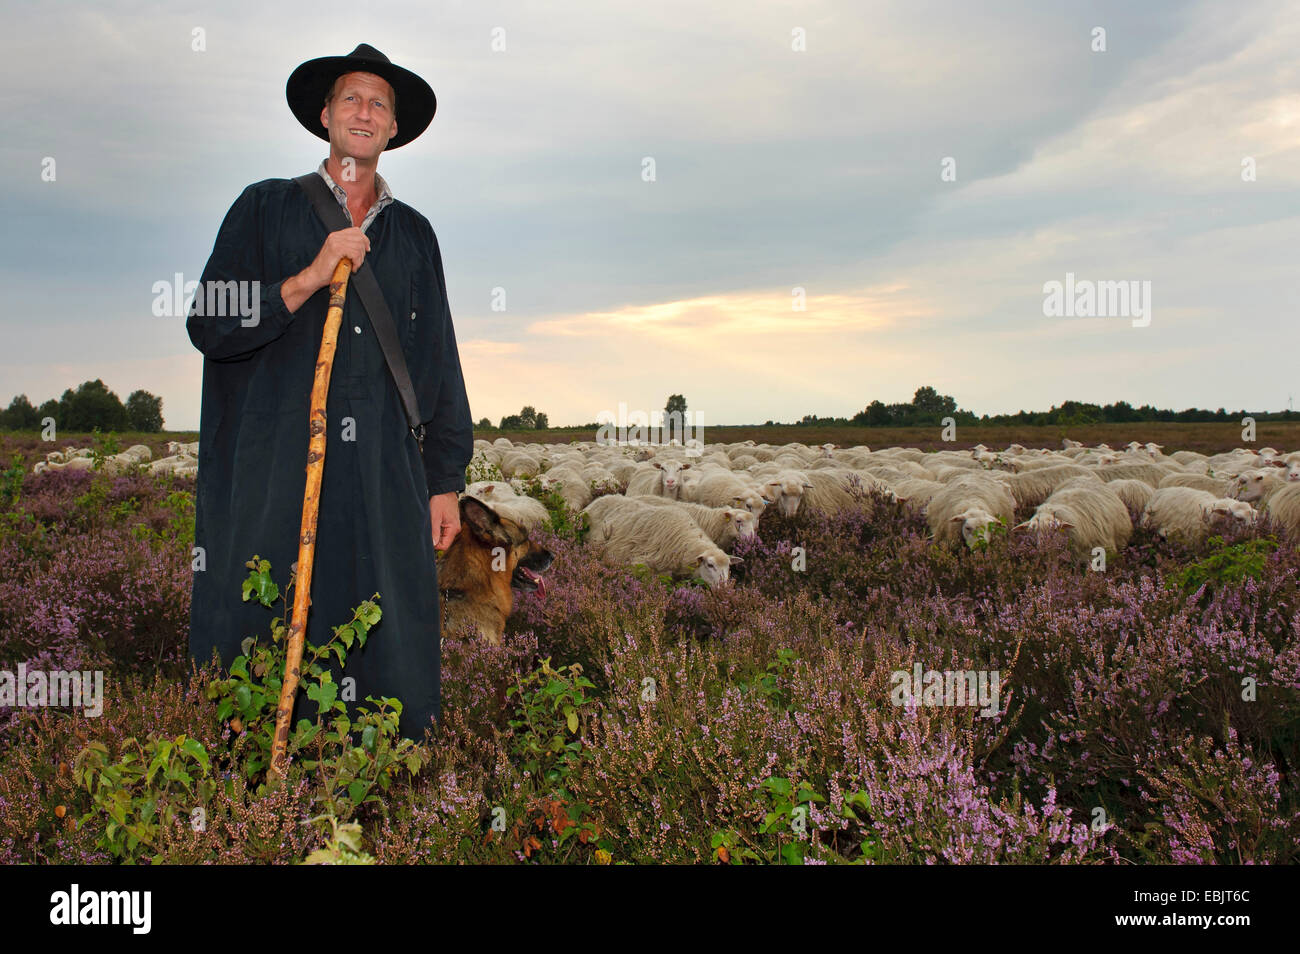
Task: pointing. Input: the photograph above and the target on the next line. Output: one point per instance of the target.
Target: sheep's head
(1250, 486)
(1293, 472)
(671, 475)
(786, 490)
(744, 522)
(827, 450)
(752, 501)
(1043, 520)
(1239, 510)
(976, 524)
(714, 567)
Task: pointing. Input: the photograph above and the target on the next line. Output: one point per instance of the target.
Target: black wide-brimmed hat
(311, 82)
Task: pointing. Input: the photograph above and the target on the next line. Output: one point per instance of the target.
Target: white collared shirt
(385, 196)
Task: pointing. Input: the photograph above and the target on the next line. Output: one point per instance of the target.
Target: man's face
(362, 104)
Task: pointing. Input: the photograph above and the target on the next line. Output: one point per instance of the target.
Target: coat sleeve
(449, 436)
(220, 324)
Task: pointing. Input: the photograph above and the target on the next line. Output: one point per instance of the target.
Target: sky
(849, 200)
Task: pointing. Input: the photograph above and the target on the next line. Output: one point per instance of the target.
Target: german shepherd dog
(475, 574)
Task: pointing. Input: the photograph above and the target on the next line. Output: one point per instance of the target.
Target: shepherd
(397, 417)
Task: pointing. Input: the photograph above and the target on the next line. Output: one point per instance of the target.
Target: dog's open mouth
(529, 580)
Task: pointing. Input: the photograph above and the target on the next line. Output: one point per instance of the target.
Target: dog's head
(512, 553)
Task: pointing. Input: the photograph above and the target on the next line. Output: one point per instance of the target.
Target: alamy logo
(947, 687)
(219, 300)
(1089, 299)
(102, 907)
(54, 688)
(633, 429)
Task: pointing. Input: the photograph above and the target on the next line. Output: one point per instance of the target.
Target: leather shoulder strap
(363, 279)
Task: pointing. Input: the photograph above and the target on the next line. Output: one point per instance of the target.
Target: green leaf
(195, 749)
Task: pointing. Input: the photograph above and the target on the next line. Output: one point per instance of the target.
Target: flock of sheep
(182, 459)
(679, 509)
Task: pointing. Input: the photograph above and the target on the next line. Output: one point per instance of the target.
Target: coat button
(357, 329)
(413, 316)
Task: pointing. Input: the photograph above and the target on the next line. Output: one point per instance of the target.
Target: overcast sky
(776, 168)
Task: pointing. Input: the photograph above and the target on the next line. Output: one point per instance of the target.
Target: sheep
(969, 506)
(176, 464)
(728, 489)
(520, 463)
(1254, 486)
(1151, 472)
(916, 492)
(1134, 493)
(1092, 516)
(1186, 457)
(787, 488)
(832, 491)
(570, 484)
(1031, 487)
(528, 512)
(626, 531)
(1219, 486)
(74, 463)
(1284, 506)
(724, 525)
(662, 479)
(1186, 512)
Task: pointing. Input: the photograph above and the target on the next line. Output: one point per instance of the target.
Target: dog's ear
(481, 520)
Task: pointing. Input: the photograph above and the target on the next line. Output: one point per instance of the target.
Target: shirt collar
(384, 194)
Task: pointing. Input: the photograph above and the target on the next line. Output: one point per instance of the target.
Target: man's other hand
(444, 514)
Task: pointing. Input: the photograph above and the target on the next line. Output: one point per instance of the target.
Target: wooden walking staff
(310, 508)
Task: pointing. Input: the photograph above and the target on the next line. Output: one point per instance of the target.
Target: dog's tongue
(539, 580)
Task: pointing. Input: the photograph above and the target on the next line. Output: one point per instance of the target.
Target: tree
(542, 422)
(485, 423)
(20, 415)
(49, 409)
(528, 417)
(92, 405)
(144, 412)
(511, 422)
(930, 405)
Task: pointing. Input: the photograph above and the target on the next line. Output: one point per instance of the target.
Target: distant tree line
(90, 406)
(527, 419)
(929, 407)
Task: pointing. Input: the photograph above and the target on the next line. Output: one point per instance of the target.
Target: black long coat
(374, 533)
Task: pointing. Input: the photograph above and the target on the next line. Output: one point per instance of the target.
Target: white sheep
(724, 525)
(1284, 506)
(1032, 487)
(665, 539)
(663, 478)
(832, 491)
(967, 507)
(1219, 486)
(526, 511)
(1187, 512)
(728, 489)
(1091, 516)
(916, 492)
(787, 488)
(1254, 486)
(1134, 493)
